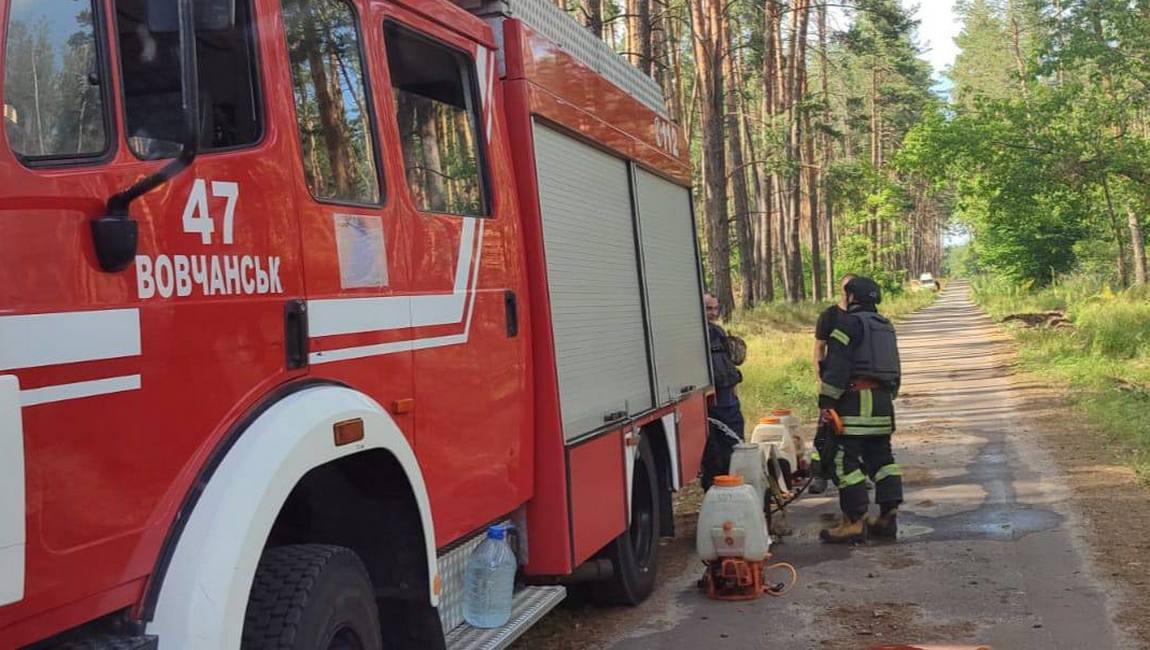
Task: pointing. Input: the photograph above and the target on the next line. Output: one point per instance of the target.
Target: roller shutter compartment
(593, 278)
(679, 337)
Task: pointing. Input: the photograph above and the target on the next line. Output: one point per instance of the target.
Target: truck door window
(331, 105)
(150, 61)
(53, 96)
(438, 122)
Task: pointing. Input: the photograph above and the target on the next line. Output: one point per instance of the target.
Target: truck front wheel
(634, 553)
(311, 597)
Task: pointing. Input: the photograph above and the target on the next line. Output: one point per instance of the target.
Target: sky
(938, 25)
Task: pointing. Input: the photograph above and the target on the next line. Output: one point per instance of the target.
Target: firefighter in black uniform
(859, 383)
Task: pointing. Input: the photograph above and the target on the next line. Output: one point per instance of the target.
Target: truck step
(530, 605)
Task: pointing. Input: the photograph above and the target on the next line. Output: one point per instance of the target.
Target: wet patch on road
(1000, 516)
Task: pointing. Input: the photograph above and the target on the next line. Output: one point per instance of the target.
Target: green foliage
(1047, 144)
(960, 261)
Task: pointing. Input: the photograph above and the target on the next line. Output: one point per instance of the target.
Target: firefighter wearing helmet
(857, 392)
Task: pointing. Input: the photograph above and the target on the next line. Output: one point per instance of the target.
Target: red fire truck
(298, 296)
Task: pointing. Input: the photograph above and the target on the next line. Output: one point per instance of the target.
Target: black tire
(634, 554)
(311, 597)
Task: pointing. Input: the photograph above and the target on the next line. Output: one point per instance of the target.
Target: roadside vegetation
(779, 370)
(1100, 353)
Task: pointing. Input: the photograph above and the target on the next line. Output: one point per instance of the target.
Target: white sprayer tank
(731, 523)
(747, 461)
(791, 421)
(794, 427)
(771, 431)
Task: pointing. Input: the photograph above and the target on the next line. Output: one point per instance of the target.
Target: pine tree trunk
(738, 173)
(825, 160)
(812, 176)
(797, 69)
(643, 8)
(1120, 258)
(707, 20)
(774, 99)
(876, 162)
(1137, 244)
(675, 72)
(592, 13)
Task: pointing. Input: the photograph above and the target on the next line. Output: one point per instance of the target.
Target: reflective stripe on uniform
(887, 470)
(832, 392)
(872, 421)
(854, 478)
(816, 456)
(860, 430)
(841, 337)
(866, 403)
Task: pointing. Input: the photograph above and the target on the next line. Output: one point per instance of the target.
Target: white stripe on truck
(77, 390)
(35, 340)
(11, 492)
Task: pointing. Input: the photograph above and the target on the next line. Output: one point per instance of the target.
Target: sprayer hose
(782, 587)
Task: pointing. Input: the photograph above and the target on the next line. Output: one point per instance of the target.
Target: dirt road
(992, 549)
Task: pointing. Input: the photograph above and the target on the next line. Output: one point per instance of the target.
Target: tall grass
(779, 371)
(1103, 360)
(1000, 297)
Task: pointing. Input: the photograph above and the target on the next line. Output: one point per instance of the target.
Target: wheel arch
(200, 592)
(661, 436)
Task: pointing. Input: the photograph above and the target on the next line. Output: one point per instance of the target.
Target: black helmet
(865, 290)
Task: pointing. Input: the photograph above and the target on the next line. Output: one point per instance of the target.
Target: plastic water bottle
(490, 581)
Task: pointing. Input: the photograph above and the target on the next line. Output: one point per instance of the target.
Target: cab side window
(53, 82)
(150, 61)
(438, 123)
(331, 105)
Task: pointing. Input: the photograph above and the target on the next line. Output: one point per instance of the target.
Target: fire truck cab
(297, 297)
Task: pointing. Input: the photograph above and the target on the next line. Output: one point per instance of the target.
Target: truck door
(354, 249)
(466, 275)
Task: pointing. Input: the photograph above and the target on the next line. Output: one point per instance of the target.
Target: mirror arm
(116, 234)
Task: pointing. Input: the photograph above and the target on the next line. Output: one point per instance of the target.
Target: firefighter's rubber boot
(885, 526)
(818, 485)
(847, 532)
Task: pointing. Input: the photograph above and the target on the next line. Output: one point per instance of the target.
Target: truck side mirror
(116, 235)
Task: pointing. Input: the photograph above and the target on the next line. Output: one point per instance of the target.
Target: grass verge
(779, 370)
(1102, 361)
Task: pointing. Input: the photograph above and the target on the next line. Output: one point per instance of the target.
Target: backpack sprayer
(732, 536)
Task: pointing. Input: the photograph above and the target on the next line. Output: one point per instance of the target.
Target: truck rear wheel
(634, 554)
(311, 597)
